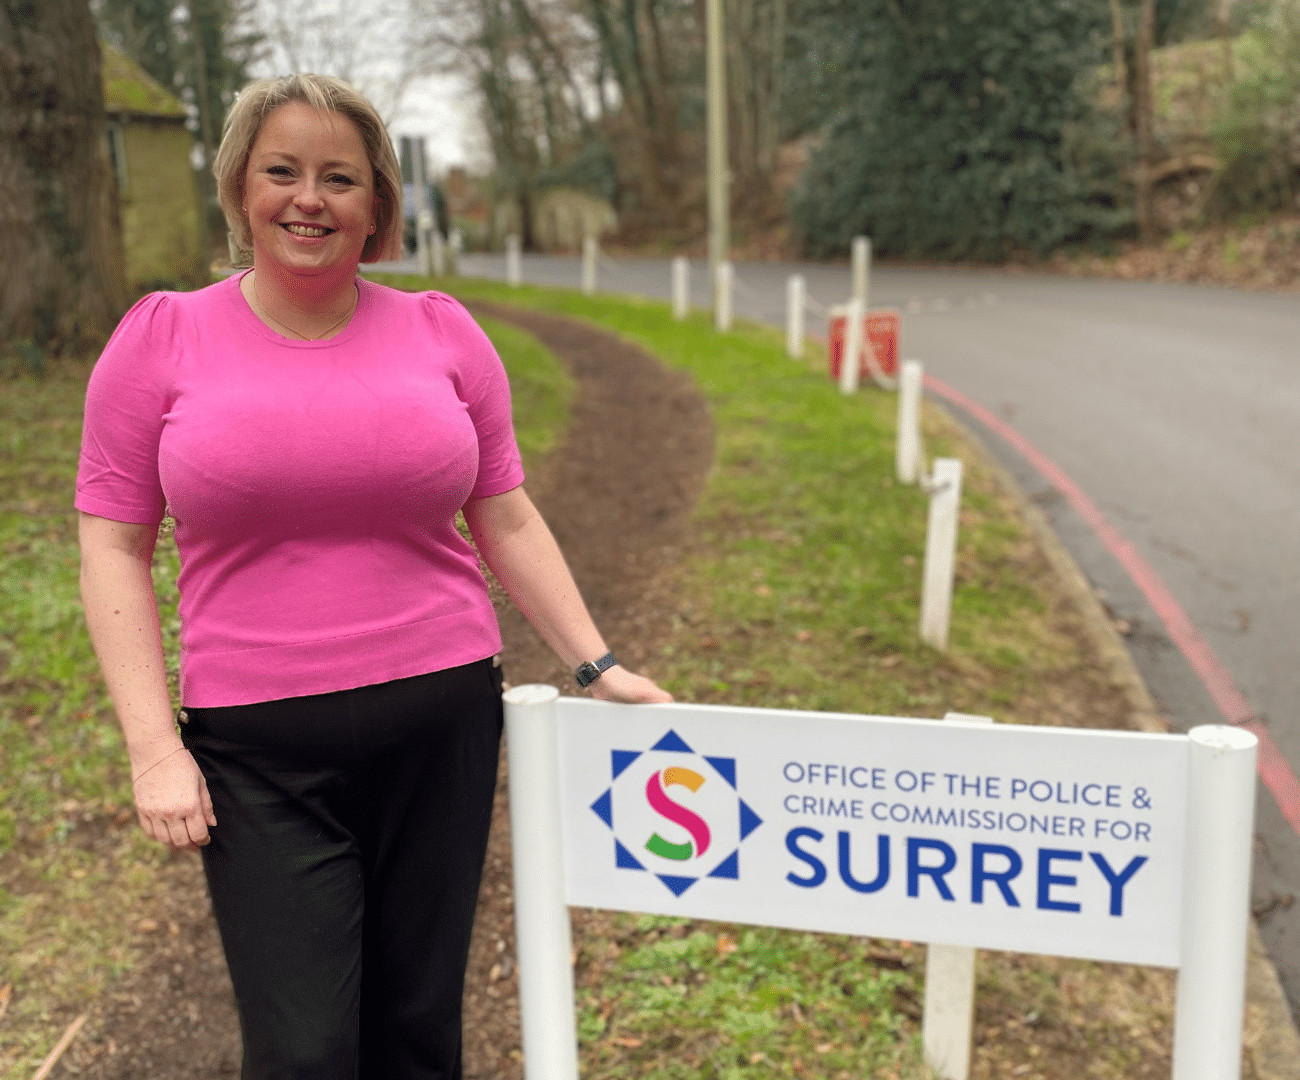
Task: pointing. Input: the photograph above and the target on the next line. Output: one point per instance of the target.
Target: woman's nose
(308, 196)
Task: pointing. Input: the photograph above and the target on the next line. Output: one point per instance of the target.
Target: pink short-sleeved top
(314, 484)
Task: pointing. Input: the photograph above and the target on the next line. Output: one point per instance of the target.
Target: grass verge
(73, 866)
(802, 590)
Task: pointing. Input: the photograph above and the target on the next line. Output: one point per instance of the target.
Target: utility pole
(719, 179)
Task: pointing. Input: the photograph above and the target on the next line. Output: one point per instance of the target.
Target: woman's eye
(339, 178)
(278, 170)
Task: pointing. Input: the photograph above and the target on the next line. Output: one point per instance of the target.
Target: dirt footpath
(618, 493)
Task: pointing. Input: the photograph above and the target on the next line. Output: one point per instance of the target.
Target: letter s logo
(676, 813)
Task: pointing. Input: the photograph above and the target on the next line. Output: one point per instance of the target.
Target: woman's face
(309, 191)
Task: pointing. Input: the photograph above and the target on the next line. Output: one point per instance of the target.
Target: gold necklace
(298, 333)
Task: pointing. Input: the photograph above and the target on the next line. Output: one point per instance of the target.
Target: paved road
(1175, 408)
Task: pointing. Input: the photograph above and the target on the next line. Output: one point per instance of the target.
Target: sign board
(1048, 840)
(881, 331)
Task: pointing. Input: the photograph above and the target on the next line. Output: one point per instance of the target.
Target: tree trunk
(1144, 109)
(64, 281)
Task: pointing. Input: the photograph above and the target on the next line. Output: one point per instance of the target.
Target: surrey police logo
(675, 813)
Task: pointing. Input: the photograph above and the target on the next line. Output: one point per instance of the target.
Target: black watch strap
(588, 672)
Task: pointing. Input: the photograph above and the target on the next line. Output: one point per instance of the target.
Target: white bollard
(1210, 1006)
(907, 440)
(542, 933)
(861, 268)
(455, 246)
(949, 1010)
(794, 307)
(514, 271)
(590, 250)
(851, 356)
(423, 254)
(940, 552)
(681, 288)
(439, 252)
(722, 303)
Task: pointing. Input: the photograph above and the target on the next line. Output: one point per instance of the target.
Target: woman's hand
(619, 684)
(171, 798)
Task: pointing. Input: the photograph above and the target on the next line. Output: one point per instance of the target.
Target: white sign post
(1061, 841)
(861, 280)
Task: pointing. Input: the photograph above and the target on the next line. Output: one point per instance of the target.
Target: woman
(314, 435)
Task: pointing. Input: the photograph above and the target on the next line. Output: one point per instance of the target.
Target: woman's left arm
(520, 550)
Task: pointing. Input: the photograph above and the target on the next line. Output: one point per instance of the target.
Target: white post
(439, 251)
(861, 268)
(423, 253)
(589, 253)
(542, 932)
(681, 288)
(722, 312)
(949, 1009)
(1208, 1016)
(907, 444)
(940, 552)
(514, 272)
(423, 219)
(456, 242)
(794, 305)
(850, 356)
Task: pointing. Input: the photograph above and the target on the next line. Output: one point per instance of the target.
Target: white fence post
(590, 250)
(681, 288)
(907, 439)
(861, 269)
(851, 353)
(514, 271)
(1216, 902)
(949, 1010)
(940, 552)
(794, 306)
(542, 932)
(439, 252)
(423, 254)
(722, 310)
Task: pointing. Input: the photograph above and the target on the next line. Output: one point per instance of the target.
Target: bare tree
(63, 282)
(373, 46)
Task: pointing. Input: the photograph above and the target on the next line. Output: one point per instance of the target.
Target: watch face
(587, 673)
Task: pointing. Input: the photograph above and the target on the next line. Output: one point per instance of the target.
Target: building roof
(128, 88)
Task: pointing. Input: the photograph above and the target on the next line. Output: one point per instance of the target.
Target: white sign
(1046, 840)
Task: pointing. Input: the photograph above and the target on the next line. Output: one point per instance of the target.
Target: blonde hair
(255, 103)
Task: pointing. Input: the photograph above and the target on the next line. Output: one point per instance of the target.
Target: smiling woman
(314, 436)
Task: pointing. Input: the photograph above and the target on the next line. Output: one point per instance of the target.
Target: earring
(372, 227)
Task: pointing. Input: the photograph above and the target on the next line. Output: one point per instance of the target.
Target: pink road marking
(1274, 769)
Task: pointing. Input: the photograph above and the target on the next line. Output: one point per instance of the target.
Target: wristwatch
(589, 672)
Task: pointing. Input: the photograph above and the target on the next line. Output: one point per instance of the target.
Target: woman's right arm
(171, 796)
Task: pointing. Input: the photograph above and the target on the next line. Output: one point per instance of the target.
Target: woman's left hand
(619, 684)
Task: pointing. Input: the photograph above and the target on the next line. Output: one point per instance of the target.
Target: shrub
(969, 130)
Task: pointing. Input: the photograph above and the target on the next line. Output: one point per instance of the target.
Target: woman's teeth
(308, 230)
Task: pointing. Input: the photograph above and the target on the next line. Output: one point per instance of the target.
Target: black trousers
(345, 866)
